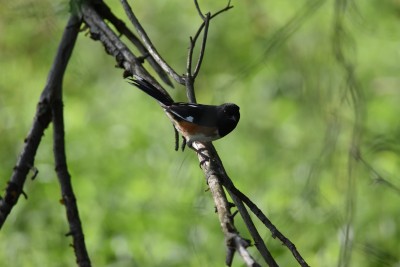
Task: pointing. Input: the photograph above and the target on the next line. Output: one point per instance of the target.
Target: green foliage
(143, 204)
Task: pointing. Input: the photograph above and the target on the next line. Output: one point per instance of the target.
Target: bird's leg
(183, 143)
(176, 139)
(200, 151)
(205, 157)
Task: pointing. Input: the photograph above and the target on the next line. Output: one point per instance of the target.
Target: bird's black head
(228, 118)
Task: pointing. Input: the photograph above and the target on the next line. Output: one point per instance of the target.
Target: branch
(149, 45)
(100, 31)
(226, 8)
(191, 76)
(196, 3)
(41, 120)
(105, 12)
(68, 196)
(213, 168)
(258, 241)
(227, 182)
(50, 107)
(216, 168)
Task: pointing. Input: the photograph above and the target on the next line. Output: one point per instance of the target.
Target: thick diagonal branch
(105, 12)
(214, 169)
(100, 31)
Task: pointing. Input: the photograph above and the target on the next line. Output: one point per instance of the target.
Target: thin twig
(149, 45)
(106, 13)
(203, 45)
(198, 9)
(264, 219)
(241, 248)
(217, 168)
(199, 30)
(191, 76)
(189, 82)
(258, 241)
(378, 178)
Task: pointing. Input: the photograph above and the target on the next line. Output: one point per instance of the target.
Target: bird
(195, 122)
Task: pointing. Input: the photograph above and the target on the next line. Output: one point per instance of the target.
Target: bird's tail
(151, 90)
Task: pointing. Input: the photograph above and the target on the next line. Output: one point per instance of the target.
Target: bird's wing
(203, 115)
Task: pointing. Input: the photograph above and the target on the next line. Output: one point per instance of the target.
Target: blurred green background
(143, 204)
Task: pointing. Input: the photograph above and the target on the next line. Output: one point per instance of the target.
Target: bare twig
(241, 248)
(198, 9)
(149, 45)
(106, 13)
(264, 219)
(203, 45)
(258, 241)
(200, 29)
(191, 76)
(378, 178)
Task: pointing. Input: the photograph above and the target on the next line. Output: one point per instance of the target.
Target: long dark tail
(151, 90)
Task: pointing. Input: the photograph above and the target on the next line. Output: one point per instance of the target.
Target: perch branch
(232, 238)
(234, 242)
(214, 168)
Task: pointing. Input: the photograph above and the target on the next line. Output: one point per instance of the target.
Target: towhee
(195, 122)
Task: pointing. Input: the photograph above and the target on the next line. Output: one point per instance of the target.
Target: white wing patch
(189, 118)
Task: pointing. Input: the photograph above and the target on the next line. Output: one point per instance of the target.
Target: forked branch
(50, 109)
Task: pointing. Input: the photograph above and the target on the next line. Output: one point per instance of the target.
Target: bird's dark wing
(203, 115)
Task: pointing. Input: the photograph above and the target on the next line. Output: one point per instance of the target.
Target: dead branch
(50, 109)
(148, 44)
